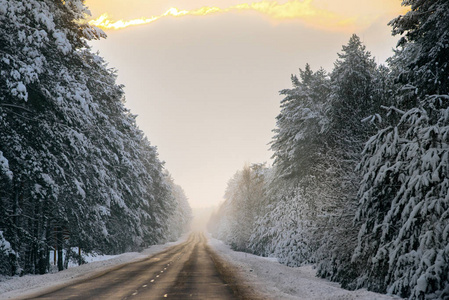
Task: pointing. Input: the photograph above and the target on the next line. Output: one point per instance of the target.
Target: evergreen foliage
(404, 203)
(74, 168)
(360, 183)
(301, 123)
(235, 220)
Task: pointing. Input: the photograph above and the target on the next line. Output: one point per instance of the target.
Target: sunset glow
(291, 10)
(204, 75)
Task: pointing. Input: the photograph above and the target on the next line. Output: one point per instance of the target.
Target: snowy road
(189, 268)
(183, 271)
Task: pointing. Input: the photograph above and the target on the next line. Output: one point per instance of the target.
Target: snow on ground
(277, 281)
(13, 287)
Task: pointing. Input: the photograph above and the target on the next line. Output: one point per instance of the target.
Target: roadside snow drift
(276, 281)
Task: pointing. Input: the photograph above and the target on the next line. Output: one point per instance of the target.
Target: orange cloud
(291, 10)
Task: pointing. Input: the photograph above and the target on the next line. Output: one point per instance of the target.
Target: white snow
(80, 189)
(14, 287)
(4, 166)
(3, 7)
(276, 281)
(62, 42)
(20, 91)
(5, 246)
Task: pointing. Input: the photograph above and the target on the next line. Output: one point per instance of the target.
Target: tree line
(75, 170)
(359, 184)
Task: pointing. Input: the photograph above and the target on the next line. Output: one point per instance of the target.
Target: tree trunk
(59, 243)
(80, 260)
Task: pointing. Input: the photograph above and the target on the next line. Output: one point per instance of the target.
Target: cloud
(293, 10)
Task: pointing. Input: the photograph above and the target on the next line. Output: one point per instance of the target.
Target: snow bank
(13, 287)
(276, 281)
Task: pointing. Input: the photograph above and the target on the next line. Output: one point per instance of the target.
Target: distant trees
(283, 231)
(74, 168)
(180, 212)
(359, 184)
(235, 220)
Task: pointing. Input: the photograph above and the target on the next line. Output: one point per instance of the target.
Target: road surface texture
(190, 270)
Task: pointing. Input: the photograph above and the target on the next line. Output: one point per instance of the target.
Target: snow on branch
(372, 119)
(392, 108)
(15, 106)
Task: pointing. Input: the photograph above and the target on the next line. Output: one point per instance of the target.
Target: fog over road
(183, 271)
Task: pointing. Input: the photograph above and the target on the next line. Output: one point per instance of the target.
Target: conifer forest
(360, 181)
(75, 170)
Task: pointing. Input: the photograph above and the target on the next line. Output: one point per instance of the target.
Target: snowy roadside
(276, 281)
(14, 287)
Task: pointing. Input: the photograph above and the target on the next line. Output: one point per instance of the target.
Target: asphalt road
(184, 271)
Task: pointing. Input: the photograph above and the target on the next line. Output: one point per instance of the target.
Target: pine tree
(283, 230)
(424, 46)
(244, 202)
(403, 197)
(351, 99)
(75, 169)
(180, 211)
(301, 123)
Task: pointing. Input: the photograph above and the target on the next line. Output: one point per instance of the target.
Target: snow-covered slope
(276, 281)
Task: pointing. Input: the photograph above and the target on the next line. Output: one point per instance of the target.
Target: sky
(204, 78)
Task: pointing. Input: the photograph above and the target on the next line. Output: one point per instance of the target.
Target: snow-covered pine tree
(300, 151)
(34, 42)
(180, 211)
(424, 46)
(244, 202)
(73, 161)
(318, 139)
(351, 99)
(301, 123)
(404, 203)
(314, 188)
(358, 89)
(283, 231)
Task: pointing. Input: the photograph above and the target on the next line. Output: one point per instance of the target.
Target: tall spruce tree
(404, 204)
(300, 125)
(75, 169)
(351, 98)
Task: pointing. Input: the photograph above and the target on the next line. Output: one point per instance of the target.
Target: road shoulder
(231, 274)
(25, 286)
(269, 279)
